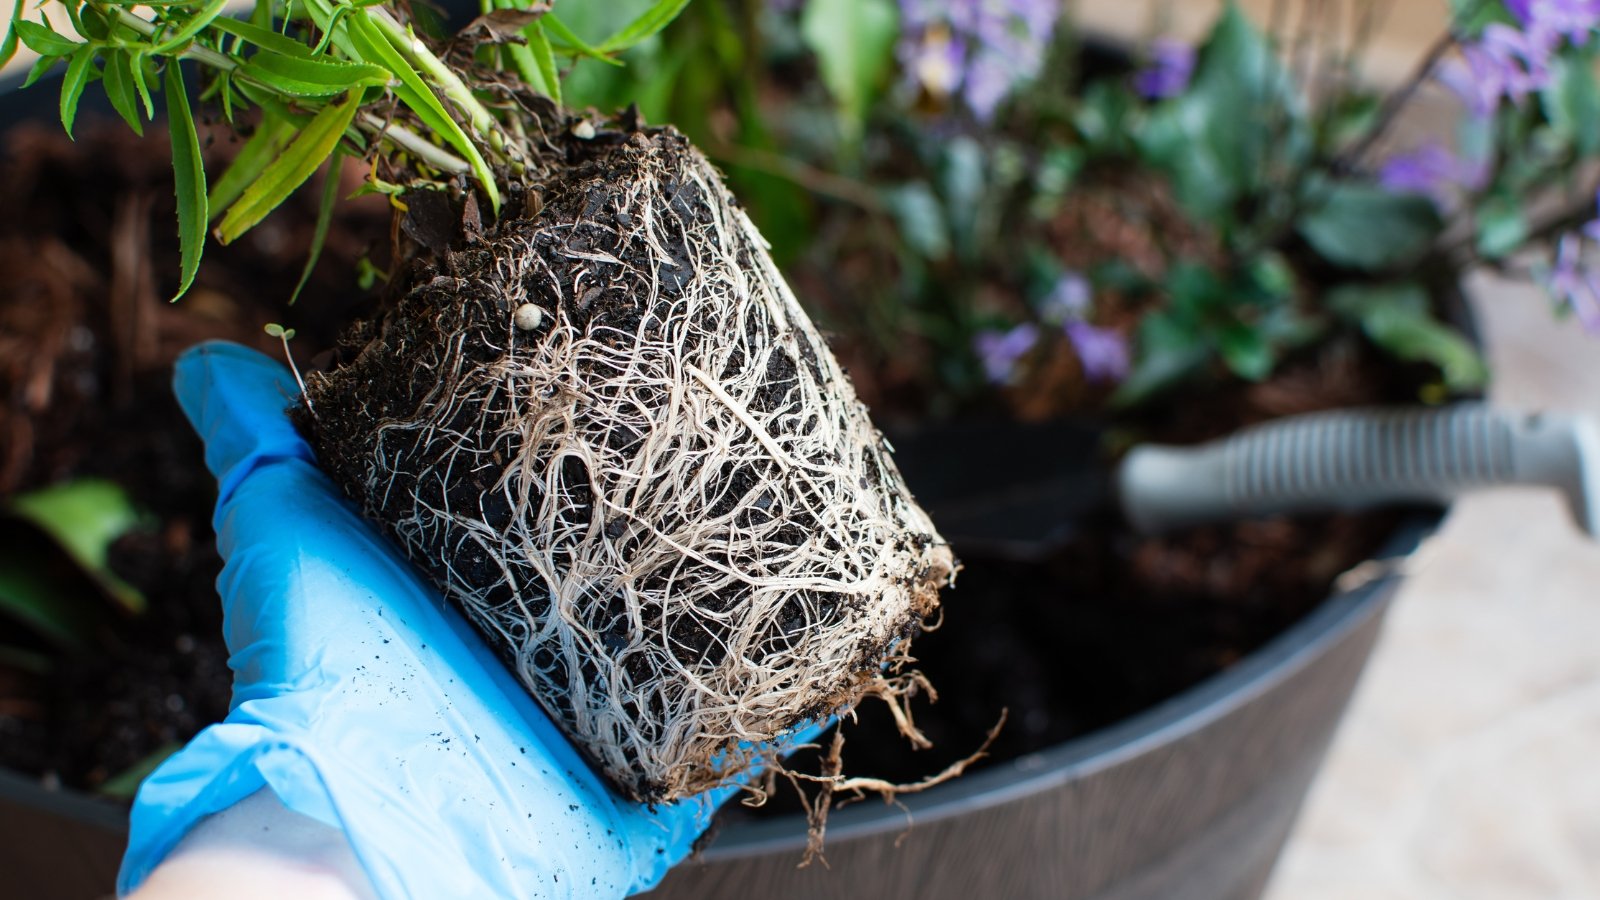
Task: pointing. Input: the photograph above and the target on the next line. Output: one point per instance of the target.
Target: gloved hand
(364, 701)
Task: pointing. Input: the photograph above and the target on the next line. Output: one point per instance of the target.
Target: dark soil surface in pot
(1108, 626)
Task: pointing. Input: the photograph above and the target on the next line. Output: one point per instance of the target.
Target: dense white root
(663, 502)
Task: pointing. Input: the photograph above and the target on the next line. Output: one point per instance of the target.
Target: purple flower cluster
(1572, 283)
(978, 50)
(1103, 352)
(1509, 62)
(1434, 171)
(1167, 75)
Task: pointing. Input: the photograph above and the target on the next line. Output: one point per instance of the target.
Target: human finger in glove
(364, 707)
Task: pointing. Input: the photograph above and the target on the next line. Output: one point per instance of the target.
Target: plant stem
(202, 55)
(448, 82)
(413, 143)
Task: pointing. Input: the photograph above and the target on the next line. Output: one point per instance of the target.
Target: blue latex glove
(367, 703)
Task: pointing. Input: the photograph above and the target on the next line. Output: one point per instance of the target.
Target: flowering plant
(1003, 204)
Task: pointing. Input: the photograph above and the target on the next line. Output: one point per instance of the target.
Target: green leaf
(1396, 317)
(854, 44)
(1364, 226)
(539, 46)
(658, 16)
(330, 196)
(136, 62)
(8, 49)
(195, 24)
(79, 71)
(562, 36)
(85, 517)
(1168, 353)
(265, 38)
(118, 82)
(30, 661)
(1239, 121)
(314, 144)
(190, 174)
(125, 784)
(272, 135)
(298, 77)
(1502, 226)
(1246, 352)
(40, 66)
(920, 219)
(42, 40)
(1572, 101)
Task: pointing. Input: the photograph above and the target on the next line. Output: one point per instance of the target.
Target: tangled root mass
(663, 504)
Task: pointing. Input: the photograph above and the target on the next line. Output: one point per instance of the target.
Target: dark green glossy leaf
(191, 27)
(42, 40)
(298, 77)
(118, 82)
(330, 196)
(265, 38)
(658, 16)
(314, 144)
(1363, 226)
(190, 175)
(79, 71)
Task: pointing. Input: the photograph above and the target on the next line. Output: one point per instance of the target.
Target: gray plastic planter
(1191, 799)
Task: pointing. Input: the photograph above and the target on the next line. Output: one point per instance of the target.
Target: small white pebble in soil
(583, 130)
(528, 316)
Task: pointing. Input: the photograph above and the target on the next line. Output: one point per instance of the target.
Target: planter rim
(1180, 715)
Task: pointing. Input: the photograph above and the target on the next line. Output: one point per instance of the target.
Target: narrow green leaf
(192, 27)
(299, 77)
(8, 49)
(78, 72)
(190, 174)
(271, 136)
(118, 82)
(85, 518)
(527, 67)
(265, 38)
(373, 47)
(42, 40)
(658, 16)
(40, 66)
(125, 784)
(330, 196)
(563, 37)
(539, 46)
(136, 68)
(30, 661)
(290, 170)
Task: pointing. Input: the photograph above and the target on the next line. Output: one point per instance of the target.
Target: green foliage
(1397, 317)
(1364, 226)
(854, 44)
(190, 181)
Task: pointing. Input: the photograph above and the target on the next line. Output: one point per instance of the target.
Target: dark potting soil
(1109, 626)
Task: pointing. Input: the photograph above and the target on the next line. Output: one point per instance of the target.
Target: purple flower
(1171, 65)
(1434, 171)
(1068, 299)
(1000, 351)
(1574, 286)
(979, 50)
(1503, 63)
(1103, 352)
(1550, 20)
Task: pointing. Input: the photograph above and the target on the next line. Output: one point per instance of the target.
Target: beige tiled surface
(1469, 764)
